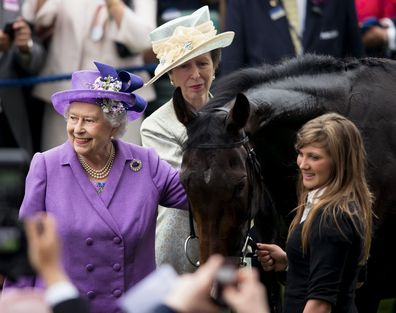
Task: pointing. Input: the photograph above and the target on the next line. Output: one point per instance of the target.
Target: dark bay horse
(263, 108)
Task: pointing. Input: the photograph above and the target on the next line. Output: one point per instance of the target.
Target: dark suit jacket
(330, 28)
(77, 305)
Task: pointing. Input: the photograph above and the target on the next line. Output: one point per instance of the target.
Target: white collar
(312, 197)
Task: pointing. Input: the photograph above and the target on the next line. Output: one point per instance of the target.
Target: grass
(387, 306)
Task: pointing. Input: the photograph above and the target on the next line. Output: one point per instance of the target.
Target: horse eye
(239, 187)
(234, 163)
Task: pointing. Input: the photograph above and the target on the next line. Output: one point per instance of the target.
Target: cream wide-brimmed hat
(185, 38)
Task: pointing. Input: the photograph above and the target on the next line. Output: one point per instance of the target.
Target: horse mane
(242, 80)
(239, 81)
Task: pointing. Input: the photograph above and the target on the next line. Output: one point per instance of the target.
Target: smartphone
(9, 30)
(225, 276)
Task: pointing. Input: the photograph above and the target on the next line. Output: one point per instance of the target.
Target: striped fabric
(290, 7)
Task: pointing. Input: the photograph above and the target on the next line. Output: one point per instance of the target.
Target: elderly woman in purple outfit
(103, 191)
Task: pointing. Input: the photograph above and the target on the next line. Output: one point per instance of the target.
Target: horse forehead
(213, 166)
(213, 156)
(212, 118)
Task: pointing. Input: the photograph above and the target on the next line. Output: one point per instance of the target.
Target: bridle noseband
(254, 173)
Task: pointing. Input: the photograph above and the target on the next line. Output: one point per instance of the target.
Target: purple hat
(106, 83)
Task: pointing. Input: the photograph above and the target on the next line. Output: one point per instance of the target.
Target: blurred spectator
(20, 55)
(83, 31)
(45, 257)
(23, 301)
(377, 23)
(268, 31)
(239, 289)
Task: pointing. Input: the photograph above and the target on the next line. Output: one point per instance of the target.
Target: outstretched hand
(44, 248)
(23, 35)
(248, 295)
(271, 257)
(192, 291)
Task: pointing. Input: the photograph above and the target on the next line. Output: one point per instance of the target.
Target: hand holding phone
(225, 276)
(249, 296)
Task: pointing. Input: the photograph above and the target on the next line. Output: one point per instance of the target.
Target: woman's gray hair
(118, 119)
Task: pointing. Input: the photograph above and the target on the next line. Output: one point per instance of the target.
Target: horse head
(220, 174)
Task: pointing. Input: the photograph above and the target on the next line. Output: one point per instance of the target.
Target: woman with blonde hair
(329, 238)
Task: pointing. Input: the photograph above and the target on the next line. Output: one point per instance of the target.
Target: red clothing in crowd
(375, 8)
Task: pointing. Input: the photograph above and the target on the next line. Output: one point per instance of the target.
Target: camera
(9, 30)
(14, 260)
(225, 276)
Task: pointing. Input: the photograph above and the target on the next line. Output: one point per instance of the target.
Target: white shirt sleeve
(390, 32)
(60, 292)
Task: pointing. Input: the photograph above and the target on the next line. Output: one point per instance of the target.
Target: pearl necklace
(102, 173)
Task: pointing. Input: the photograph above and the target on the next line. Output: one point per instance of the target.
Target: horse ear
(240, 112)
(184, 112)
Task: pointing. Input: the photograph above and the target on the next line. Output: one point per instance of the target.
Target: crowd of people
(101, 213)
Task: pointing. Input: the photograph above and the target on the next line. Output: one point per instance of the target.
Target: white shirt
(312, 198)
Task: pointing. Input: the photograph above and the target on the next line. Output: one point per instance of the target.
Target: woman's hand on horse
(271, 257)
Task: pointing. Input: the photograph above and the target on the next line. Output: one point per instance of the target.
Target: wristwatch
(29, 44)
(28, 49)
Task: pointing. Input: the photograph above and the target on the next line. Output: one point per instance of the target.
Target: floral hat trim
(183, 40)
(109, 83)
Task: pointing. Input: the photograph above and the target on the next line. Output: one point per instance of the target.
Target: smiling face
(194, 77)
(89, 132)
(316, 166)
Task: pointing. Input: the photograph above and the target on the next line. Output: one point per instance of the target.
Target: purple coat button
(116, 267)
(89, 241)
(91, 294)
(117, 293)
(117, 240)
(89, 267)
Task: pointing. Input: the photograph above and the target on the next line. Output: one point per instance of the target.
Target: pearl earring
(171, 82)
(214, 77)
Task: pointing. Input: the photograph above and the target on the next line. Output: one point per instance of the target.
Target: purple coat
(108, 239)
